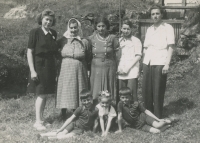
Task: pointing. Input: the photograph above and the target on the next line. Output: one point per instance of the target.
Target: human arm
(126, 69)
(67, 122)
(95, 125)
(31, 64)
(96, 122)
(88, 54)
(151, 114)
(119, 121)
(112, 113)
(170, 39)
(102, 125)
(108, 126)
(168, 60)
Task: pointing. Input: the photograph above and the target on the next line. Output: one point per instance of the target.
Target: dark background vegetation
(17, 115)
(14, 32)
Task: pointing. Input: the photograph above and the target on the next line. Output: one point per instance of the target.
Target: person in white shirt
(158, 48)
(106, 112)
(131, 52)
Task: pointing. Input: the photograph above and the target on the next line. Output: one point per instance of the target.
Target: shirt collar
(45, 31)
(161, 24)
(89, 109)
(125, 39)
(128, 105)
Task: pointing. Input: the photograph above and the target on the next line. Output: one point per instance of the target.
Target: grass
(181, 100)
(17, 116)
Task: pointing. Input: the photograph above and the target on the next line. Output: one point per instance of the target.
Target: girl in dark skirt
(41, 60)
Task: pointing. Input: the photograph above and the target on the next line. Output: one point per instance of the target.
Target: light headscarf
(67, 34)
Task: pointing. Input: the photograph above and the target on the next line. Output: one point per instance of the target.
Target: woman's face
(126, 30)
(73, 27)
(101, 28)
(47, 22)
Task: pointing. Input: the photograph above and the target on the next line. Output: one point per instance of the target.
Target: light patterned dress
(73, 73)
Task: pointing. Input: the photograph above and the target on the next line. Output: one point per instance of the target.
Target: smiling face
(156, 16)
(87, 102)
(126, 30)
(47, 22)
(125, 99)
(101, 28)
(73, 27)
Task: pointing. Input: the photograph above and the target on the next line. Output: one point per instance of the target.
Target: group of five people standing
(102, 57)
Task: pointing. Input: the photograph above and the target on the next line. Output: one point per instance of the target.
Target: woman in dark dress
(41, 60)
(103, 66)
(73, 76)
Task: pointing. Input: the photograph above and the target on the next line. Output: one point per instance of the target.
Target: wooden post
(119, 16)
(183, 11)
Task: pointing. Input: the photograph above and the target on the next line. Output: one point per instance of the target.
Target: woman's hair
(103, 20)
(156, 6)
(72, 21)
(105, 94)
(127, 22)
(46, 12)
(84, 94)
(125, 91)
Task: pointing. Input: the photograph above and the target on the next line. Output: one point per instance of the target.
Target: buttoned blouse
(130, 48)
(75, 48)
(103, 48)
(156, 44)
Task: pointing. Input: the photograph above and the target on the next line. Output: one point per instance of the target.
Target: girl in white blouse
(106, 112)
(128, 68)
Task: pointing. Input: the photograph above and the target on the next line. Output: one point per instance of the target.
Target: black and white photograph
(99, 71)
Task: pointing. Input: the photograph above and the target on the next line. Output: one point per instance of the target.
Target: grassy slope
(182, 100)
(17, 116)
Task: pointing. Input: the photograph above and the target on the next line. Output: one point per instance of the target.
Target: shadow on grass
(178, 106)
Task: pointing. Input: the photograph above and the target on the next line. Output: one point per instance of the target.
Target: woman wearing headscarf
(73, 76)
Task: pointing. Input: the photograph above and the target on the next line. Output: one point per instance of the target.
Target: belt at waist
(71, 57)
(103, 56)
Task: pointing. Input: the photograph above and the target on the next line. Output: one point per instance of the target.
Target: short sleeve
(119, 107)
(170, 35)
(141, 106)
(32, 39)
(77, 112)
(138, 46)
(112, 112)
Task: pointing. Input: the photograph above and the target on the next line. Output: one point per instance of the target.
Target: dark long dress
(73, 76)
(103, 66)
(44, 50)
